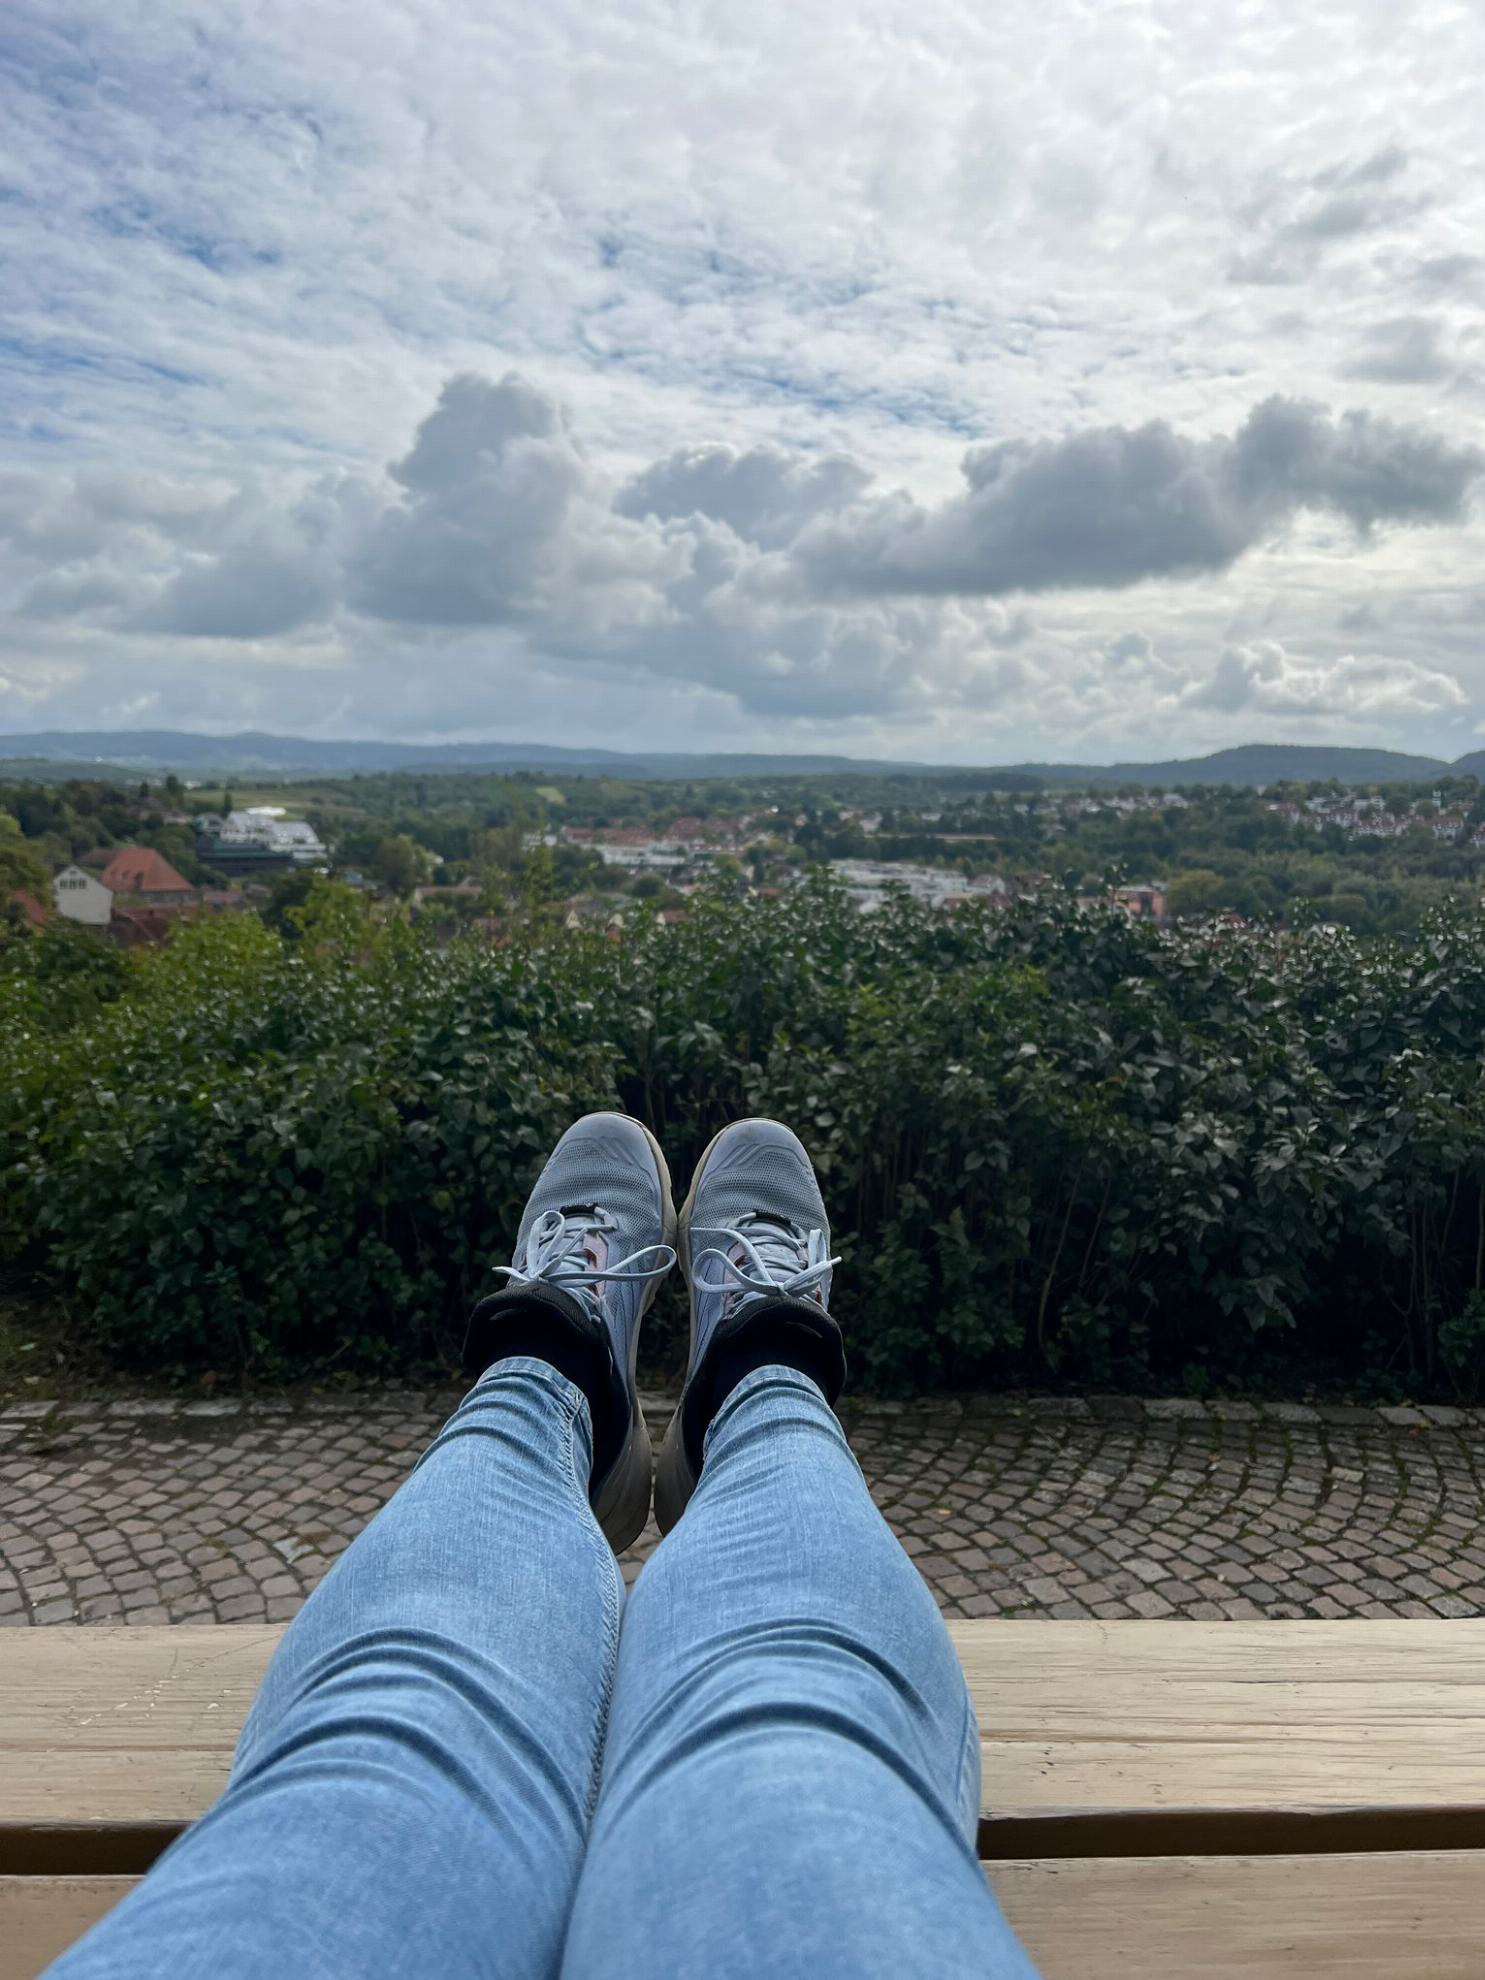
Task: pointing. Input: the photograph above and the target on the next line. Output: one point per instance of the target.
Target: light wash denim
(459, 1764)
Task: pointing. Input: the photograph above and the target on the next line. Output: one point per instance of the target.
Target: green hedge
(1056, 1147)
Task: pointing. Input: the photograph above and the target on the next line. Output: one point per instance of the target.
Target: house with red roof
(82, 896)
(146, 875)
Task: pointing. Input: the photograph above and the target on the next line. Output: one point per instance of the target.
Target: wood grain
(1272, 1735)
(1179, 1737)
(122, 1725)
(41, 1916)
(1408, 1916)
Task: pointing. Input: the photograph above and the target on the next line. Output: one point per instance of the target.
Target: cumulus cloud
(253, 571)
(765, 495)
(248, 593)
(1117, 505)
(1264, 679)
(785, 580)
(492, 486)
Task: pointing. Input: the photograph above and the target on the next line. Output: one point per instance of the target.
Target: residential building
(1142, 903)
(869, 883)
(147, 876)
(591, 911)
(647, 856)
(82, 897)
(259, 840)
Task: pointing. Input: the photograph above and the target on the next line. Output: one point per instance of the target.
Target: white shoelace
(771, 1255)
(556, 1256)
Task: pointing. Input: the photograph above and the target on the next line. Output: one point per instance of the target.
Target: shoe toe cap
(759, 1165)
(608, 1160)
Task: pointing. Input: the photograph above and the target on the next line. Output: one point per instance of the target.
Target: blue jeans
(460, 1764)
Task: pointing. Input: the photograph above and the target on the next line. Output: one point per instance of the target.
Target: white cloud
(1265, 680)
(779, 264)
(1113, 507)
(787, 583)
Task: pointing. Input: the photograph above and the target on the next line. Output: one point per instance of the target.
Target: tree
(396, 865)
(334, 920)
(1197, 892)
(22, 869)
(498, 850)
(1351, 911)
(290, 891)
(539, 877)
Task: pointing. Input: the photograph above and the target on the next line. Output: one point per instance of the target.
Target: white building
(261, 836)
(656, 856)
(265, 825)
(82, 897)
(869, 883)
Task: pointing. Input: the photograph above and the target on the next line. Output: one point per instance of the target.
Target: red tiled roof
(141, 870)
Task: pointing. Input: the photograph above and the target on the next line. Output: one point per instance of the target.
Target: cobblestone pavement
(148, 1512)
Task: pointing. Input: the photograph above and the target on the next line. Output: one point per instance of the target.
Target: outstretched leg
(412, 1791)
(791, 1782)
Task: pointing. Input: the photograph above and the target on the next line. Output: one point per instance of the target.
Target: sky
(1073, 379)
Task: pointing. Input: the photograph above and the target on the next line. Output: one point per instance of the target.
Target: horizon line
(599, 751)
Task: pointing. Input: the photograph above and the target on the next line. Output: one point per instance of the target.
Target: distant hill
(1265, 763)
(255, 755)
(249, 755)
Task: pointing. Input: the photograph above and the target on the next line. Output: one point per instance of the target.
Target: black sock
(556, 1329)
(785, 1332)
(779, 1341)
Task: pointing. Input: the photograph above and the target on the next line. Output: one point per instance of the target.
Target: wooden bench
(1168, 1800)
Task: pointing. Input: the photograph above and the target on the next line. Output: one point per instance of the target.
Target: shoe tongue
(771, 1226)
(591, 1241)
(587, 1242)
(776, 1241)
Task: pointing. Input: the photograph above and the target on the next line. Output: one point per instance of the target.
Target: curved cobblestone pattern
(147, 1512)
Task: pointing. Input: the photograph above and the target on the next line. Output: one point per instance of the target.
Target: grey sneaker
(596, 1239)
(755, 1249)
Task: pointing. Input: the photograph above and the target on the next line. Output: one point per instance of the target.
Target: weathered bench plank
(1407, 1916)
(1127, 1737)
(1267, 1736)
(41, 1916)
(1368, 1917)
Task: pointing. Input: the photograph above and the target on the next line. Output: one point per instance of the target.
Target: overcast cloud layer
(1059, 379)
